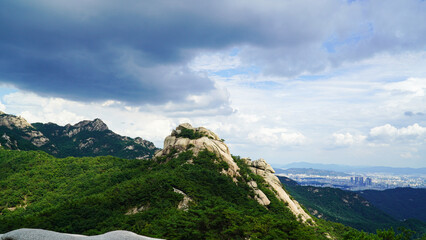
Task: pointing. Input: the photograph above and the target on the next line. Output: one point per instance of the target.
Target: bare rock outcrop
(28, 132)
(263, 169)
(259, 196)
(37, 138)
(203, 139)
(95, 125)
(11, 121)
(185, 137)
(135, 210)
(184, 204)
(40, 234)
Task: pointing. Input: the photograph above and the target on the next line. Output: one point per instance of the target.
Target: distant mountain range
(353, 169)
(86, 138)
(310, 171)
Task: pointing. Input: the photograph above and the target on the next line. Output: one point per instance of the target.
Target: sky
(326, 81)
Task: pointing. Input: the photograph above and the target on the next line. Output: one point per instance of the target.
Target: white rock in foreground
(40, 234)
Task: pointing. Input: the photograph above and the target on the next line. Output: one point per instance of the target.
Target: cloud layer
(138, 52)
(388, 133)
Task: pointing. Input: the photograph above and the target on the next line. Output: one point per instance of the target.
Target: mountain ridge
(349, 169)
(186, 192)
(85, 138)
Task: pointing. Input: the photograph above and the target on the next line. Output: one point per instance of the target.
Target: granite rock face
(15, 130)
(39, 234)
(207, 140)
(263, 169)
(260, 196)
(11, 121)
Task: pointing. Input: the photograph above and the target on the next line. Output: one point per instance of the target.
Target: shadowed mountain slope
(346, 207)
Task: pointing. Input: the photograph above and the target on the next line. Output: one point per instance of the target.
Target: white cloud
(415, 87)
(2, 107)
(276, 137)
(388, 132)
(347, 139)
(125, 121)
(109, 103)
(39, 109)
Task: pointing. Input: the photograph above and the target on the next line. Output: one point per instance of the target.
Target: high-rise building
(368, 181)
(361, 181)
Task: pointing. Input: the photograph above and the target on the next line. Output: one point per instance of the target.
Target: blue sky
(328, 81)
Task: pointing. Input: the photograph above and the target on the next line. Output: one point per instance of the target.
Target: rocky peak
(262, 165)
(185, 137)
(139, 140)
(12, 121)
(95, 125)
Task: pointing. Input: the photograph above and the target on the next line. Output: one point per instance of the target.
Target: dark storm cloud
(96, 53)
(137, 51)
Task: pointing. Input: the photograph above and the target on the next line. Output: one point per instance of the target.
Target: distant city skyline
(328, 81)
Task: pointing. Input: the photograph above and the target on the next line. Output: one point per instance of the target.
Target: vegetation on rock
(189, 133)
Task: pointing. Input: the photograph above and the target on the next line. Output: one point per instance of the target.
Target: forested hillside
(190, 190)
(400, 203)
(95, 195)
(346, 207)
